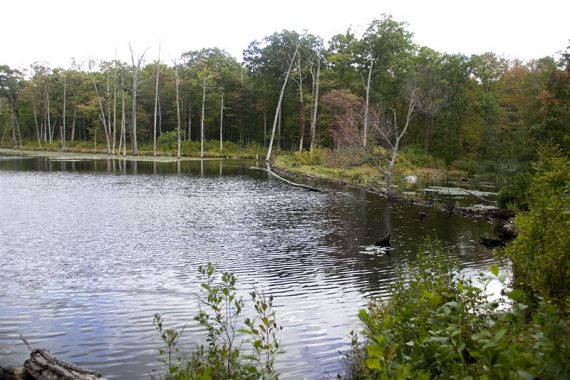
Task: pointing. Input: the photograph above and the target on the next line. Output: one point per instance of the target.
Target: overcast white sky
(56, 30)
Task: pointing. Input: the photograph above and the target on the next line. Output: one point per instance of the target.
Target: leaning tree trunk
(268, 157)
(38, 133)
(102, 117)
(72, 137)
(16, 123)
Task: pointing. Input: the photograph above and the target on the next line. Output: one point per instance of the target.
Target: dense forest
(483, 108)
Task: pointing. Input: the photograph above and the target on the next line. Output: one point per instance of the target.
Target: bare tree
(62, 133)
(316, 81)
(48, 113)
(389, 127)
(222, 124)
(115, 106)
(203, 85)
(299, 82)
(136, 65)
(72, 137)
(156, 101)
(367, 99)
(102, 116)
(178, 113)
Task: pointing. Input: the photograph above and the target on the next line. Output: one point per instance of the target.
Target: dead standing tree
(136, 70)
(388, 127)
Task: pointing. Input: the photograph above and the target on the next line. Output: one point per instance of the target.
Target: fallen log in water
(43, 365)
(271, 172)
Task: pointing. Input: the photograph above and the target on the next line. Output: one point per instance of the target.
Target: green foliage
(168, 140)
(170, 339)
(437, 325)
(541, 252)
(236, 348)
(298, 159)
(469, 165)
(415, 157)
(514, 194)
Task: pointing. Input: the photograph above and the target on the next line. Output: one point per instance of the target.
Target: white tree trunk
(156, 101)
(48, 115)
(114, 109)
(268, 157)
(109, 130)
(202, 118)
(38, 133)
(315, 106)
(123, 124)
(136, 68)
(64, 104)
(72, 137)
(178, 113)
(367, 102)
(301, 105)
(102, 116)
(190, 121)
(222, 124)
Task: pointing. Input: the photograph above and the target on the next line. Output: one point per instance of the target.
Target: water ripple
(91, 250)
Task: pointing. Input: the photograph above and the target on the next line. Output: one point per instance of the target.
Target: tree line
(372, 89)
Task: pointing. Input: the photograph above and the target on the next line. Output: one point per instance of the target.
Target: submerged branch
(271, 172)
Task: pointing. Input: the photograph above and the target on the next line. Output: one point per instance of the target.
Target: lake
(91, 249)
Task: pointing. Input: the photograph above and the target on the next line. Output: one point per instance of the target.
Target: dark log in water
(42, 365)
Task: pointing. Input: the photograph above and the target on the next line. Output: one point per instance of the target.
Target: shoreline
(495, 214)
(491, 215)
(98, 156)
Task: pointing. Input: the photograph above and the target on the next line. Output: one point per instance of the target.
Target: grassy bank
(344, 167)
(165, 150)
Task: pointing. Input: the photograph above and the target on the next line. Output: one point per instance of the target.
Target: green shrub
(235, 349)
(168, 141)
(514, 193)
(437, 325)
(417, 158)
(541, 252)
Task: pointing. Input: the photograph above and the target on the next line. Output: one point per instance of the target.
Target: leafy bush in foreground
(541, 252)
(226, 355)
(439, 326)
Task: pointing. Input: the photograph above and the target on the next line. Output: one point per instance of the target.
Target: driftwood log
(272, 173)
(42, 365)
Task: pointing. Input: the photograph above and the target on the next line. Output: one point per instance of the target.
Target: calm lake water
(90, 250)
